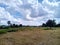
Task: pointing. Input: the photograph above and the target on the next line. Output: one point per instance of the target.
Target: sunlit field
(31, 36)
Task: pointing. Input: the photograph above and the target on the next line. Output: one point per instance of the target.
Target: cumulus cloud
(29, 11)
(5, 16)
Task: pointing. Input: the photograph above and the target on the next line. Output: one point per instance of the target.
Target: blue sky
(29, 12)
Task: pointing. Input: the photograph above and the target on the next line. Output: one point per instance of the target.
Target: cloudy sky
(29, 12)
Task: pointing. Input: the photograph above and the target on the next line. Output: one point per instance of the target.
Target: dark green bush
(13, 30)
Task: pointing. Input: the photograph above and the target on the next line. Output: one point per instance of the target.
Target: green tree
(43, 25)
(50, 23)
(9, 23)
(20, 25)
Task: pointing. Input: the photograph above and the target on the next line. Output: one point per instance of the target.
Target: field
(31, 36)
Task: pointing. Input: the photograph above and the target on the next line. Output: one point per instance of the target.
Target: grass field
(31, 36)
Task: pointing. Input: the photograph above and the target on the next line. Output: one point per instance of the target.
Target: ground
(31, 36)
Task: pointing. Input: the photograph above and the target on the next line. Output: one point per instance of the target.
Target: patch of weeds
(23, 28)
(12, 30)
(49, 28)
(46, 28)
(3, 31)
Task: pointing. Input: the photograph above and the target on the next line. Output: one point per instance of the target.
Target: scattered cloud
(29, 12)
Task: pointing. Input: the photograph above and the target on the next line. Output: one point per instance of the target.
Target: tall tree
(43, 25)
(54, 23)
(9, 23)
(50, 23)
(58, 25)
(20, 25)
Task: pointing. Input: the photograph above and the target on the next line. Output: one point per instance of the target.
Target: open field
(31, 36)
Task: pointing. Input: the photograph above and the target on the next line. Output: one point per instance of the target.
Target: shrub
(46, 28)
(3, 31)
(13, 30)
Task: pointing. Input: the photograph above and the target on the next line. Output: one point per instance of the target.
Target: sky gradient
(29, 12)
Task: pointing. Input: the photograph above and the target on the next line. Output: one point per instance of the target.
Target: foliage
(49, 23)
(12, 30)
(46, 28)
(9, 23)
(58, 25)
(43, 25)
(3, 31)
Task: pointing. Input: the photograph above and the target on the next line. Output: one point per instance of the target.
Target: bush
(3, 31)
(46, 29)
(13, 30)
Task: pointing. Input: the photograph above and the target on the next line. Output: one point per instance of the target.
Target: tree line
(13, 25)
(50, 23)
(10, 25)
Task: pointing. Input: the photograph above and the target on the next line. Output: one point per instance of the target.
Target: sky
(29, 12)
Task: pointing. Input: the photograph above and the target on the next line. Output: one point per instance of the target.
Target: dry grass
(31, 37)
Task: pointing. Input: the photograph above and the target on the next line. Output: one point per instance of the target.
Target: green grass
(3, 31)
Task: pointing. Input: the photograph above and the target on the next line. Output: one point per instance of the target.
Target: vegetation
(3, 31)
(50, 23)
(9, 23)
(31, 36)
(47, 34)
(14, 27)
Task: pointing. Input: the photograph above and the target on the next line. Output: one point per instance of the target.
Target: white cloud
(5, 16)
(31, 10)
